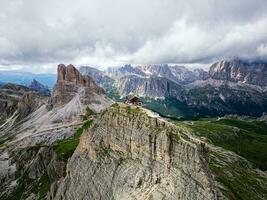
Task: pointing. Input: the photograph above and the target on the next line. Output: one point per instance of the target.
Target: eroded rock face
(35, 166)
(29, 159)
(69, 83)
(19, 99)
(129, 155)
(28, 103)
(155, 87)
(237, 70)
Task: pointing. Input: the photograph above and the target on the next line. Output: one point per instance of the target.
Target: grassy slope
(247, 138)
(65, 148)
(238, 181)
(26, 186)
(169, 107)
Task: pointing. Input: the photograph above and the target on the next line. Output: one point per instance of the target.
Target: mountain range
(229, 87)
(80, 144)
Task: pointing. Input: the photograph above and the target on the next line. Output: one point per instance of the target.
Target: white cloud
(40, 33)
(185, 43)
(262, 50)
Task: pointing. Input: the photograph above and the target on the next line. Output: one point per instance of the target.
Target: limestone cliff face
(237, 70)
(69, 83)
(130, 155)
(151, 87)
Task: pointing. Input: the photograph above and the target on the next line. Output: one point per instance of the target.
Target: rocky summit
(70, 82)
(129, 154)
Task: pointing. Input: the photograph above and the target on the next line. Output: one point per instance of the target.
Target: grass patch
(175, 137)
(65, 148)
(239, 181)
(115, 105)
(133, 110)
(246, 138)
(26, 186)
(169, 107)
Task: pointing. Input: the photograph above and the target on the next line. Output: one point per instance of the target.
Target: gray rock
(238, 70)
(129, 155)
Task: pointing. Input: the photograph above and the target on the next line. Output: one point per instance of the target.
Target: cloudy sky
(36, 35)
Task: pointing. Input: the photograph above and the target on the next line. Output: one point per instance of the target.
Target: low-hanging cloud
(36, 34)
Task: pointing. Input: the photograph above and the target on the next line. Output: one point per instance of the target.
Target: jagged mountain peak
(71, 82)
(238, 70)
(70, 74)
(100, 77)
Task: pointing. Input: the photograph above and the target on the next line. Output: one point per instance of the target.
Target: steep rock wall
(130, 155)
(69, 83)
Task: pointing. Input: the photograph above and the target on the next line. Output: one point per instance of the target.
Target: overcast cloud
(35, 35)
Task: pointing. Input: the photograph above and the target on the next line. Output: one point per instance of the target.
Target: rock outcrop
(129, 155)
(69, 83)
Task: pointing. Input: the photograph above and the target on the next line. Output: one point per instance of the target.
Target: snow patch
(222, 97)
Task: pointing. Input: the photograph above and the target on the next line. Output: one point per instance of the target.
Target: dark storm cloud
(104, 32)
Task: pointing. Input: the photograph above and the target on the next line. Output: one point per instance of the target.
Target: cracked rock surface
(130, 155)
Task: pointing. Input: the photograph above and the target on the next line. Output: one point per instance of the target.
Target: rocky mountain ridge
(34, 148)
(79, 146)
(157, 87)
(131, 154)
(178, 74)
(213, 93)
(19, 99)
(237, 70)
